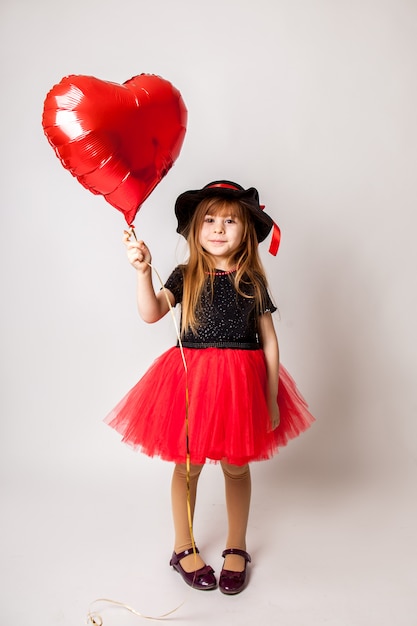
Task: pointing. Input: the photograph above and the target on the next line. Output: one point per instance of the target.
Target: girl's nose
(218, 228)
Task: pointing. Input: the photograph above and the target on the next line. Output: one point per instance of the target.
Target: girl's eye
(209, 220)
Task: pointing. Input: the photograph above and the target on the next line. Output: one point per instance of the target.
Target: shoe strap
(245, 555)
(185, 553)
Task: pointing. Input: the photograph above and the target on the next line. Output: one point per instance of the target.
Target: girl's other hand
(274, 415)
(138, 253)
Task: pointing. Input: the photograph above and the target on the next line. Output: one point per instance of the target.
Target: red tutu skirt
(228, 415)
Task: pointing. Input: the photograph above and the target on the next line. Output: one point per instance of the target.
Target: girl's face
(221, 234)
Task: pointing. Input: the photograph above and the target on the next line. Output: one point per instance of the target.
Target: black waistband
(237, 345)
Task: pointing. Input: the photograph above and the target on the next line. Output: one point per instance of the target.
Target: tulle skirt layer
(228, 415)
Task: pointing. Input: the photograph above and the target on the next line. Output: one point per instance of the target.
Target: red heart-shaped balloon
(117, 140)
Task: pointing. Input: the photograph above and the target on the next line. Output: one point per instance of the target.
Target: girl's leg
(238, 494)
(180, 513)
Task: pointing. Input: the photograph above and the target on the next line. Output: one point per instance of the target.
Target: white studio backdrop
(311, 101)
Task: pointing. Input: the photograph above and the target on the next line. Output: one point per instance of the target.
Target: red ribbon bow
(276, 237)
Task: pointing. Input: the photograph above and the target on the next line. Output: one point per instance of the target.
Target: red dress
(227, 387)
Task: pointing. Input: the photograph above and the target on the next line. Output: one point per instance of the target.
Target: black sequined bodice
(225, 315)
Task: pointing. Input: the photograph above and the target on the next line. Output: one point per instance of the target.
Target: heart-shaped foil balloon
(117, 140)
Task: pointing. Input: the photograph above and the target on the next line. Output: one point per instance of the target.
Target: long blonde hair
(249, 268)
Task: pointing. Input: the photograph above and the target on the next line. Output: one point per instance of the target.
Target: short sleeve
(267, 305)
(175, 284)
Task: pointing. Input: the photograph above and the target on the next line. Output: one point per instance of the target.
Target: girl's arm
(151, 306)
(271, 350)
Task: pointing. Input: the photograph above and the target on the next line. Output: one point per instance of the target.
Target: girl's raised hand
(138, 253)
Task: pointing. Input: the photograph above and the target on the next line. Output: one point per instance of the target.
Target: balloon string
(94, 619)
(187, 437)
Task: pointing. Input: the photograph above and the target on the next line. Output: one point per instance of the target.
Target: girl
(242, 404)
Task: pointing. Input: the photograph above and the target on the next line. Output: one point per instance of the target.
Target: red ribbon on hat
(224, 186)
(276, 236)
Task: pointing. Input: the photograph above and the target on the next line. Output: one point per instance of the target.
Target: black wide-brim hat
(188, 201)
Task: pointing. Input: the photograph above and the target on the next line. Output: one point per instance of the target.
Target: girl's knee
(235, 472)
(181, 470)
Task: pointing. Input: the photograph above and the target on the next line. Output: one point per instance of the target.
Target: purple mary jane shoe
(231, 582)
(202, 578)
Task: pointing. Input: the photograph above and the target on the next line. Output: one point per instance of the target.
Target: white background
(313, 102)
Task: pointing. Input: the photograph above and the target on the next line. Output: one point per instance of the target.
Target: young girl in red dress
(242, 404)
